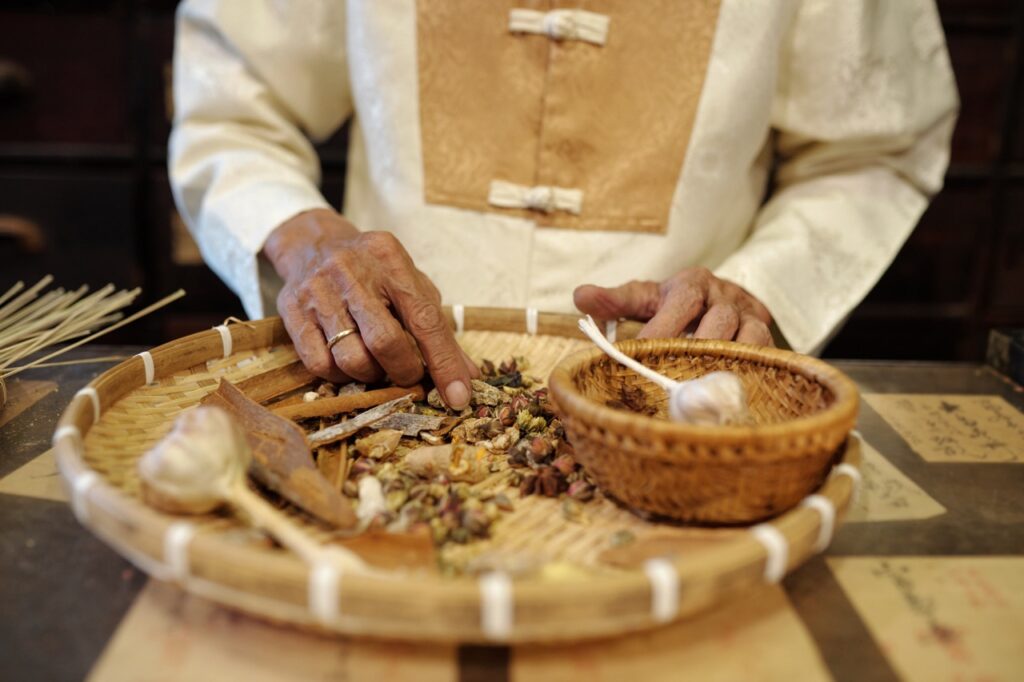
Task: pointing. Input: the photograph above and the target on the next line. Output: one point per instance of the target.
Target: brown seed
(581, 490)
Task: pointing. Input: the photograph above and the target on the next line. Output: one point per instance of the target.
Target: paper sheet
(941, 618)
(954, 428)
(888, 494)
(170, 635)
(36, 478)
(756, 637)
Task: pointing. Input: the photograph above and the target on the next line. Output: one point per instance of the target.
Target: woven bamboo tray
(573, 592)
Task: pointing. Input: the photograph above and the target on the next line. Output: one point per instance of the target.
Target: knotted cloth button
(540, 199)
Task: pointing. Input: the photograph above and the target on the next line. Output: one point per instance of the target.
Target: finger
(305, 332)
(424, 319)
(385, 338)
(350, 353)
(721, 321)
(754, 332)
(681, 305)
(635, 300)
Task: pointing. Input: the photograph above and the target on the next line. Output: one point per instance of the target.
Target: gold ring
(340, 335)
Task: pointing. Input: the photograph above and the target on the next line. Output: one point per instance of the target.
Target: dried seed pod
(506, 415)
(528, 486)
(549, 481)
(519, 455)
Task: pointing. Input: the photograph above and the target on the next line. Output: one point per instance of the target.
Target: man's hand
(338, 278)
(718, 308)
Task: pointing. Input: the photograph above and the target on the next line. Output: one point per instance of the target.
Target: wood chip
(410, 424)
(282, 460)
(332, 434)
(328, 407)
(276, 382)
(380, 444)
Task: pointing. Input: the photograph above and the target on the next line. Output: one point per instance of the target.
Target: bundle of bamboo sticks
(32, 321)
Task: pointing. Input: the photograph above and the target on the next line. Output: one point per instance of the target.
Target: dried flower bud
(528, 485)
(540, 449)
(482, 411)
(581, 490)
(507, 415)
(565, 464)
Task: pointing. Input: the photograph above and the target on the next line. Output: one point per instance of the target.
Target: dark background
(84, 106)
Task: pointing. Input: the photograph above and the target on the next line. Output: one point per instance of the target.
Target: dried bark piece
(331, 463)
(380, 444)
(276, 382)
(333, 434)
(281, 457)
(328, 407)
(410, 424)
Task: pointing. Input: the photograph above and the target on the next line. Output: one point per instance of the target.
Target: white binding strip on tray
(226, 342)
(664, 589)
(777, 548)
(94, 397)
(79, 490)
(324, 581)
(67, 431)
(147, 364)
(176, 542)
(847, 469)
(611, 328)
(531, 321)
(827, 511)
(459, 313)
(496, 605)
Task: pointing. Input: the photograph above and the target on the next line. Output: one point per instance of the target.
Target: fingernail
(457, 395)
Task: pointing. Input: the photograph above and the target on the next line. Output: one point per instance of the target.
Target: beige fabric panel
(612, 120)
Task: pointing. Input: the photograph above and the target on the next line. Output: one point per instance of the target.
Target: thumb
(635, 300)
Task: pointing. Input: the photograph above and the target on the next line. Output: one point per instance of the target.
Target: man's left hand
(693, 299)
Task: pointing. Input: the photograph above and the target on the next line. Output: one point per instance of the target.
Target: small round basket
(802, 412)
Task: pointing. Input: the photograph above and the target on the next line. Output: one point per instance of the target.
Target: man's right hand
(338, 278)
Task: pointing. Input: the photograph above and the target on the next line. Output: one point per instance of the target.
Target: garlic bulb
(713, 399)
(195, 466)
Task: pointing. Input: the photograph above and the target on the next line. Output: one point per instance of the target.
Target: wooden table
(925, 582)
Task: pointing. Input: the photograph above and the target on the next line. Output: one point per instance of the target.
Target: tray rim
(279, 587)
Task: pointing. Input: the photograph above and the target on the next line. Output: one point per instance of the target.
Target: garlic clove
(713, 399)
(193, 467)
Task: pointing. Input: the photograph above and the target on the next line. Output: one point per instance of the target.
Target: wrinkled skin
(693, 299)
(336, 278)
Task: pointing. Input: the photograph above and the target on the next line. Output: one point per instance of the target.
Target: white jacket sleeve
(864, 112)
(251, 80)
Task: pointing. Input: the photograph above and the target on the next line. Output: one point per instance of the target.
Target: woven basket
(122, 413)
(802, 409)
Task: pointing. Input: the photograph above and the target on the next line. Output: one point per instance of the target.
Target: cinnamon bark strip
(328, 407)
(281, 459)
(332, 434)
(276, 382)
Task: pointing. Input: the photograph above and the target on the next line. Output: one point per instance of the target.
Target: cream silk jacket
(519, 148)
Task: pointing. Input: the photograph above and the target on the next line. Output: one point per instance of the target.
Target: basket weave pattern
(802, 411)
